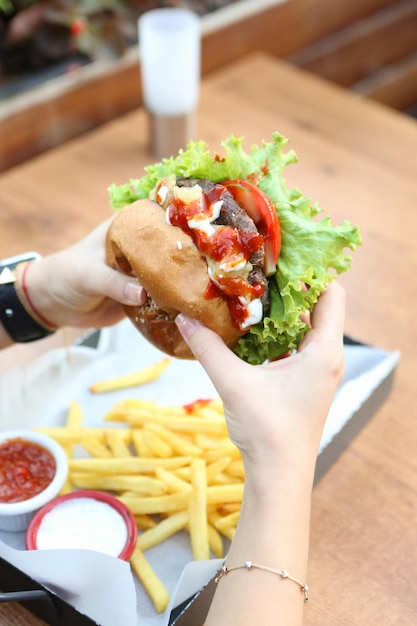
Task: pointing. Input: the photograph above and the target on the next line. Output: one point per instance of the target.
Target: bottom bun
(168, 265)
(159, 328)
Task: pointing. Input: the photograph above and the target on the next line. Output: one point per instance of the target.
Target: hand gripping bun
(168, 265)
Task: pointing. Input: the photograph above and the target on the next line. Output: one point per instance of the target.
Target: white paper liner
(39, 395)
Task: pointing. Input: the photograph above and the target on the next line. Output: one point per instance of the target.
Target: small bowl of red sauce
(33, 470)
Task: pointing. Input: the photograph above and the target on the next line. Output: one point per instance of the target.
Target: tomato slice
(261, 209)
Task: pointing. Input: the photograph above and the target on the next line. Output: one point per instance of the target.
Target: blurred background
(41, 38)
(69, 66)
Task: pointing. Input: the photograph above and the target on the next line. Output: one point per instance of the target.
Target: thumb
(122, 288)
(208, 348)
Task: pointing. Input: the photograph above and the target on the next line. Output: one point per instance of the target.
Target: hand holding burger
(222, 239)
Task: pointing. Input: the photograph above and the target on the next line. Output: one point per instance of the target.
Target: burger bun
(168, 265)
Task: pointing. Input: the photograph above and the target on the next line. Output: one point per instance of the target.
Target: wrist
(33, 294)
(294, 468)
(274, 523)
(267, 489)
(19, 323)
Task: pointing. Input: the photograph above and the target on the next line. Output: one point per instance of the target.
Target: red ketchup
(225, 244)
(26, 469)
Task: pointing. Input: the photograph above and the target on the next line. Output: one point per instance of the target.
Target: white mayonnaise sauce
(83, 523)
(254, 312)
(203, 222)
(233, 263)
(161, 194)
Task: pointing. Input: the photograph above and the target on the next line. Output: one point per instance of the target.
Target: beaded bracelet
(249, 566)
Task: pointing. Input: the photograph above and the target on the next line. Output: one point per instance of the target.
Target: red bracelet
(25, 290)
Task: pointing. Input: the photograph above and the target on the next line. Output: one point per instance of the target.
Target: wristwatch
(16, 320)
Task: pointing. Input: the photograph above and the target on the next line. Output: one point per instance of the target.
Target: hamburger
(222, 239)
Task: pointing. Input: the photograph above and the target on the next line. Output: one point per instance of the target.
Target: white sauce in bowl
(83, 523)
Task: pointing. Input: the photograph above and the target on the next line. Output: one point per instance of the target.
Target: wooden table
(358, 160)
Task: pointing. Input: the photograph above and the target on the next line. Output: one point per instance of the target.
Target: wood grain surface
(346, 42)
(357, 159)
(13, 614)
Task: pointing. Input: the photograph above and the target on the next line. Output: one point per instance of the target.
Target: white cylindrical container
(86, 520)
(170, 56)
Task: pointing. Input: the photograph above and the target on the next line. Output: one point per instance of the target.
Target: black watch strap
(16, 321)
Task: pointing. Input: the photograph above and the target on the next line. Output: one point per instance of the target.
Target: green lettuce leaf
(313, 251)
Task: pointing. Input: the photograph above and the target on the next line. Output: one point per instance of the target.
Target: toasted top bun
(168, 265)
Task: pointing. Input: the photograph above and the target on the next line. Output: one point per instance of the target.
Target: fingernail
(186, 325)
(134, 293)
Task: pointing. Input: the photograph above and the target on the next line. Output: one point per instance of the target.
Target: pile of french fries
(173, 466)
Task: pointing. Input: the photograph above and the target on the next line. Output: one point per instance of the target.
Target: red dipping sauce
(26, 469)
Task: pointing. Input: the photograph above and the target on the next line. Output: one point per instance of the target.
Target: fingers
(325, 338)
(328, 315)
(324, 342)
(122, 288)
(209, 349)
(132, 294)
(101, 279)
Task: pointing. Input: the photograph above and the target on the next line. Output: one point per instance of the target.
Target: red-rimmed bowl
(89, 520)
(20, 471)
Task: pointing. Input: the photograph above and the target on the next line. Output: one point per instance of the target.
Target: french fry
(178, 443)
(134, 379)
(213, 469)
(218, 494)
(146, 408)
(209, 413)
(184, 473)
(116, 442)
(95, 447)
(197, 510)
(214, 518)
(210, 442)
(74, 416)
(183, 423)
(173, 483)
(217, 405)
(144, 521)
(215, 541)
(227, 521)
(142, 449)
(228, 532)
(219, 453)
(201, 407)
(156, 504)
(156, 445)
(137, 485)
(74, 420)
(74, 435)
(138, 412)
(168, 527)
(223, 478)
(150, 581)
(228, 507)
(236, 469)
(132, 465)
